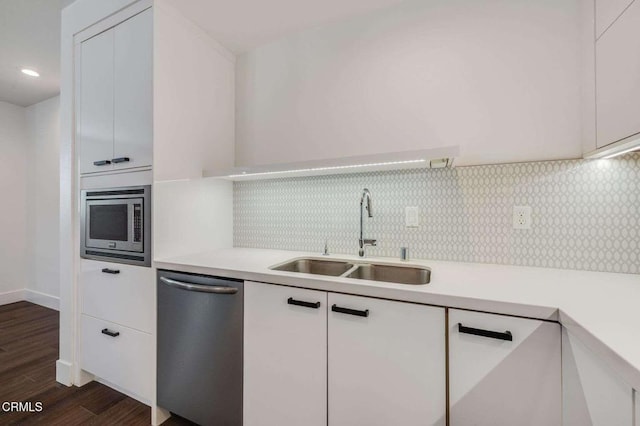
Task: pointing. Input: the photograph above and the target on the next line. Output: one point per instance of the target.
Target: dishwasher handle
(218, 289)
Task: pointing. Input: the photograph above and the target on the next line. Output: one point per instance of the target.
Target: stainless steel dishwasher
(200, 347)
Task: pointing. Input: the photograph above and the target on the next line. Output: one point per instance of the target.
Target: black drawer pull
(485, 333)
(102, 163)
(292, 301)
(111, 271)
(110, 333)
(336, 308)
(121, 160)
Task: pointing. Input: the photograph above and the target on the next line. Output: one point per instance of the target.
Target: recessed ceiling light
(30, 72)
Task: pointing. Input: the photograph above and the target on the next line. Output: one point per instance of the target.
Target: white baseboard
(42, 299)
(11, 297)
(64, 372)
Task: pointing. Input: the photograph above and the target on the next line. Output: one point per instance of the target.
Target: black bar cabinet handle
(485, 333)
(110, 333)
(121, 160)
(101, 163)
(292, 301)
(111, 271)
(356, 312)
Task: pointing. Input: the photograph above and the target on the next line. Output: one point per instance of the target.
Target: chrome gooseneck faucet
(366, 196)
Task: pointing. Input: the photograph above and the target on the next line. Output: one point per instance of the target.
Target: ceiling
(30, 38)
(30, 33)
(241, 25)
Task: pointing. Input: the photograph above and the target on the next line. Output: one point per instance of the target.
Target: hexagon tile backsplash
(585, 214)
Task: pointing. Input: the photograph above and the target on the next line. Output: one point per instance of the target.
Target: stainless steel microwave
(116, 225)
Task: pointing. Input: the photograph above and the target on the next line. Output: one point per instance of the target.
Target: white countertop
(602, 309)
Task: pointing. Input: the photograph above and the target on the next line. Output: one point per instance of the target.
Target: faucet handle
(326, 248)
(370, 242)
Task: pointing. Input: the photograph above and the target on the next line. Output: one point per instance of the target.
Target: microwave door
(109, 225)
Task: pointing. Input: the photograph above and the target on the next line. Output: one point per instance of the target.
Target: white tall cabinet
(115, 99)
(503, 370)
(363, 361)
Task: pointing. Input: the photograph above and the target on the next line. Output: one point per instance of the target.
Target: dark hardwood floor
(28, 353)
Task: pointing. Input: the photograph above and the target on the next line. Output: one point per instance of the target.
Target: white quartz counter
(602, 309)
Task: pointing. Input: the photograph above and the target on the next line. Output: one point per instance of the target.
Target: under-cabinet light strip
(318, 169)
(625, 151)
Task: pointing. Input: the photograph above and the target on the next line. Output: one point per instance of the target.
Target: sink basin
(392, 273)
(333, 268)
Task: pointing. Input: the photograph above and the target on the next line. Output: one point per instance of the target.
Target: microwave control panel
(137, 223)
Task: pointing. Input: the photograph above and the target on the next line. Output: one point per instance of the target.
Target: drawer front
(123, 359)
(126, 297)
(501, 367)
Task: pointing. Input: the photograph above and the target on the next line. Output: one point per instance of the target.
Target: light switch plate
(411, 217)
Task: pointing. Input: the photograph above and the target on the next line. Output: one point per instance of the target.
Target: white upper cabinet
(607, 11)
(503, 370)
(496, 78)
(133, 110)
(115, 86)
(618, 79)
(95, 109)
(593, 394)
(386, 362)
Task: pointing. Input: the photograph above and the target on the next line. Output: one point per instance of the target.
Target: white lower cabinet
(285, 356)
(363, 361)
(386, 362)
(503, 371)
(593, 394)
(120, 355)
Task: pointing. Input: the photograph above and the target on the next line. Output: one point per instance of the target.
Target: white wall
(191, 216)
(13, 211)
(503, 74)
(43, 128)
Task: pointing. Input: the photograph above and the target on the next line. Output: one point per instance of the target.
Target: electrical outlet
(521, 217)
(411, 217)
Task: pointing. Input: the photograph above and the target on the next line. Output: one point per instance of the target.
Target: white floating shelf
(419, 159)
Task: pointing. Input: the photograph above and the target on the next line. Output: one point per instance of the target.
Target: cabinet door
(494, 381)
(618, 79)
(387, 367)
(285, 356)
(607, 11)
(133, 67)
(95, 112)
(593, 394)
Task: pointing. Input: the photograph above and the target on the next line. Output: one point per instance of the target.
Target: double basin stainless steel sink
(400, 274)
